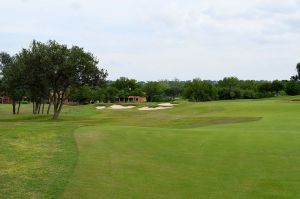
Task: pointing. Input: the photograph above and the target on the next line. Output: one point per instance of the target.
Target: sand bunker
(119, 107)
(153, 109)
(100, 107)
(166, 105)
(160, 107)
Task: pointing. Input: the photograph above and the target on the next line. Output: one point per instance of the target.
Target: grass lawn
(223, 149)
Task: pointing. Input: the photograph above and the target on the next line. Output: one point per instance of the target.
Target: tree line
(197, 90)
(48, 74)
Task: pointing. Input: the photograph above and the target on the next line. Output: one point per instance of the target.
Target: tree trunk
(19, 107)
(58, 105)
(36, 106)
(39, 108)
(55, 100)
(49, 107)
(57, 112)
(14, 106)
(33, 108)
(43, 107)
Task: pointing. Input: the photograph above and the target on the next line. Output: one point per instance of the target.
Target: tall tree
(297, 77)
(292, 88)
(13, 81)
(174, 88)
(127, 87)
(52, 69)
(199, 90)
(69, 67)
(111, 93)
(277, 86)
(5, 59)
(154, 90)
(36, 74)
(229, 88)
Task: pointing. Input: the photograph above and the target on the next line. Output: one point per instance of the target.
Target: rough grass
(36, 160)
(225, 149)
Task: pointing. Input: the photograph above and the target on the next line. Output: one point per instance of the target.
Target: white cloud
(157, 39)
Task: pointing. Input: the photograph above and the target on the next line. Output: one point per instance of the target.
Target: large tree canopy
(198, 90)
(48, 71)
(5, 59)
(154, 90)
(296, 77)
(13, 82)
(229, 88)
(127, 87)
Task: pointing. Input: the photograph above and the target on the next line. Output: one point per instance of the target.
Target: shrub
(199, 90)
(292, 88)
(250, 94)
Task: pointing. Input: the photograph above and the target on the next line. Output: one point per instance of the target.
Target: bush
(292, 88)
(250, 94)
(199, 90)
(226, 94)
(161, 98)
(282, 93)
(153, 90)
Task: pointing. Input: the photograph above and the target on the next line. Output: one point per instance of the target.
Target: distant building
(5, 100)
(132, 99)
(136, 99)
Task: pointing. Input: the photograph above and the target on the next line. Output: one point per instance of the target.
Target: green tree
(297, 77)
(154, 91)
(199, 90)
(99, 94)
(174, 88)
(265, 89)
(229, 88)
(292, 88)
(127, 87)
(4, 59)
(83, 94)
(70, 67)
(2, 90)
(277, 86)
(53, 69)
(13, 83)
(248, 85)
(111, 94)
(38, 87)
(249, 94)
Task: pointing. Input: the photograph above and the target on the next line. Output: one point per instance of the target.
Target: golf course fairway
(222, 149)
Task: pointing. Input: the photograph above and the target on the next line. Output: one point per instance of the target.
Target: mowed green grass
(224, 149)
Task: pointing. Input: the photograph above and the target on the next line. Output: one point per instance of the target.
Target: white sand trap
(120, 107)
(100, 107)
(153, 109)
(166, 104)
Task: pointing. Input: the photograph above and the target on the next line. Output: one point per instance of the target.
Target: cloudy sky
(164, 39)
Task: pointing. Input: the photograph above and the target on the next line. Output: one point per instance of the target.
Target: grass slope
(225, 149)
